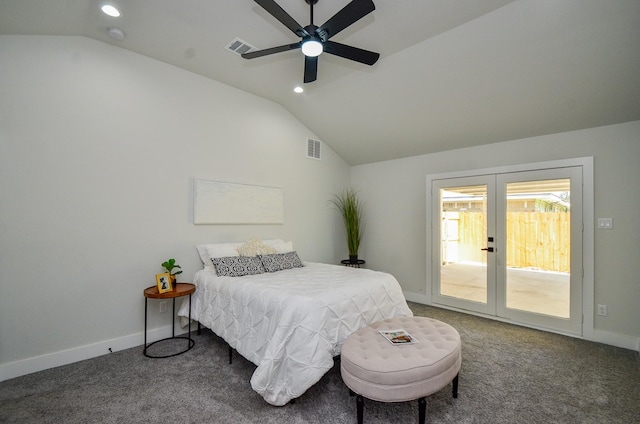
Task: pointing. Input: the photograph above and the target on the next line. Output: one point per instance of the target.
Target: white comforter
(292, 323)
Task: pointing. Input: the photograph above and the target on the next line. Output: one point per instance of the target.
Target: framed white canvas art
(228, 203)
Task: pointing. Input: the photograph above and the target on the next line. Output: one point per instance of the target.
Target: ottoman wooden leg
(359, 407)
(455, 386)
(422, 410)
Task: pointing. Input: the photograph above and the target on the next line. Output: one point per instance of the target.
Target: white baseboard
(618, 340)
(417, 297)
(80, 353)
(599, 336)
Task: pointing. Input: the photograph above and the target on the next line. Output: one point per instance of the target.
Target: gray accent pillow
(280, 261)
(237, 266)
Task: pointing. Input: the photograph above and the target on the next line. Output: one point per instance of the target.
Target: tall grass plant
(350, 208)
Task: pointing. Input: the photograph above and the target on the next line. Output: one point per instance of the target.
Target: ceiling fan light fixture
(316, 39)
(312, 47)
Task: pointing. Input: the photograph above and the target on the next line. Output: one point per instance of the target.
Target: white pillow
(272, 242)
(202, 253)
(223, 250)
(216, 250)
(282, 246)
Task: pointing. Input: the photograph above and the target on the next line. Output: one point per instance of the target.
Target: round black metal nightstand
(353, 264)
(182, 289)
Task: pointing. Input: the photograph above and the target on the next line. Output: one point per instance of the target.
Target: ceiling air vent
(313, 149)
(238, 46)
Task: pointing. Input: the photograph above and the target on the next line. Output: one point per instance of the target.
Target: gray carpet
(509, 374)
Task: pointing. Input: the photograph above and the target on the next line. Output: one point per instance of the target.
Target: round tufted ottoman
(376, 369)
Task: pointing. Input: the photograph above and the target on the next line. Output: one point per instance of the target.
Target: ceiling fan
(315, 40)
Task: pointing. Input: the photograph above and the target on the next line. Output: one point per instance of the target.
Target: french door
(510, 245)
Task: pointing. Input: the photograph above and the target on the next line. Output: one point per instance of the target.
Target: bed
(290, 322)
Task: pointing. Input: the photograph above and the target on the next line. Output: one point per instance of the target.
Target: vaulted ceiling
(452, 73)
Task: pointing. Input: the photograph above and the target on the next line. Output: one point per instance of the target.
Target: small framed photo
(164, 282)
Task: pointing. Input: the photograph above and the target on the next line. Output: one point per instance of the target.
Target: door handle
(488, 249)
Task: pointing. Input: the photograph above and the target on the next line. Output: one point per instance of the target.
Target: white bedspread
(292, 323)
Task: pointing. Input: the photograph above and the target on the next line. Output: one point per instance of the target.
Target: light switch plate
(605, 223)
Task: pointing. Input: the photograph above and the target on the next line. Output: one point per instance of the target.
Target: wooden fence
(538, 240)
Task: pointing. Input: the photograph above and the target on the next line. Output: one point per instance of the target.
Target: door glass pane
(538, 239)
(463, 270)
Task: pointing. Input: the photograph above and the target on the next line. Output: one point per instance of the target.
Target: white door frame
(587, 224)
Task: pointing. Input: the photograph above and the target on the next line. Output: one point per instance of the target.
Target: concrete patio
(530, 290)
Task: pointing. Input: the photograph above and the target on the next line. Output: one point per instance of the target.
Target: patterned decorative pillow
(280, 261)
(237, 266)
(255, 247)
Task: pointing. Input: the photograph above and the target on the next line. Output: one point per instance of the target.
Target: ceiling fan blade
(277, 12)
(310, 68)
(353, 53)
(351, 13)
(272, 50)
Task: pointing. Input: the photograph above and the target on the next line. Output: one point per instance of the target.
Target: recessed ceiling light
(110, 10)
(298, 89)
(116, 34)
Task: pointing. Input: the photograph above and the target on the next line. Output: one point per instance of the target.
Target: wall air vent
(238, 46)
(313, 149)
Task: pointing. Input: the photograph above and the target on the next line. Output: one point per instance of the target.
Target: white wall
(98, 151)
(395, 196)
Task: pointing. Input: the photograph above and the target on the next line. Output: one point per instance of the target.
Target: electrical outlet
(163, 306)
(602, 310)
